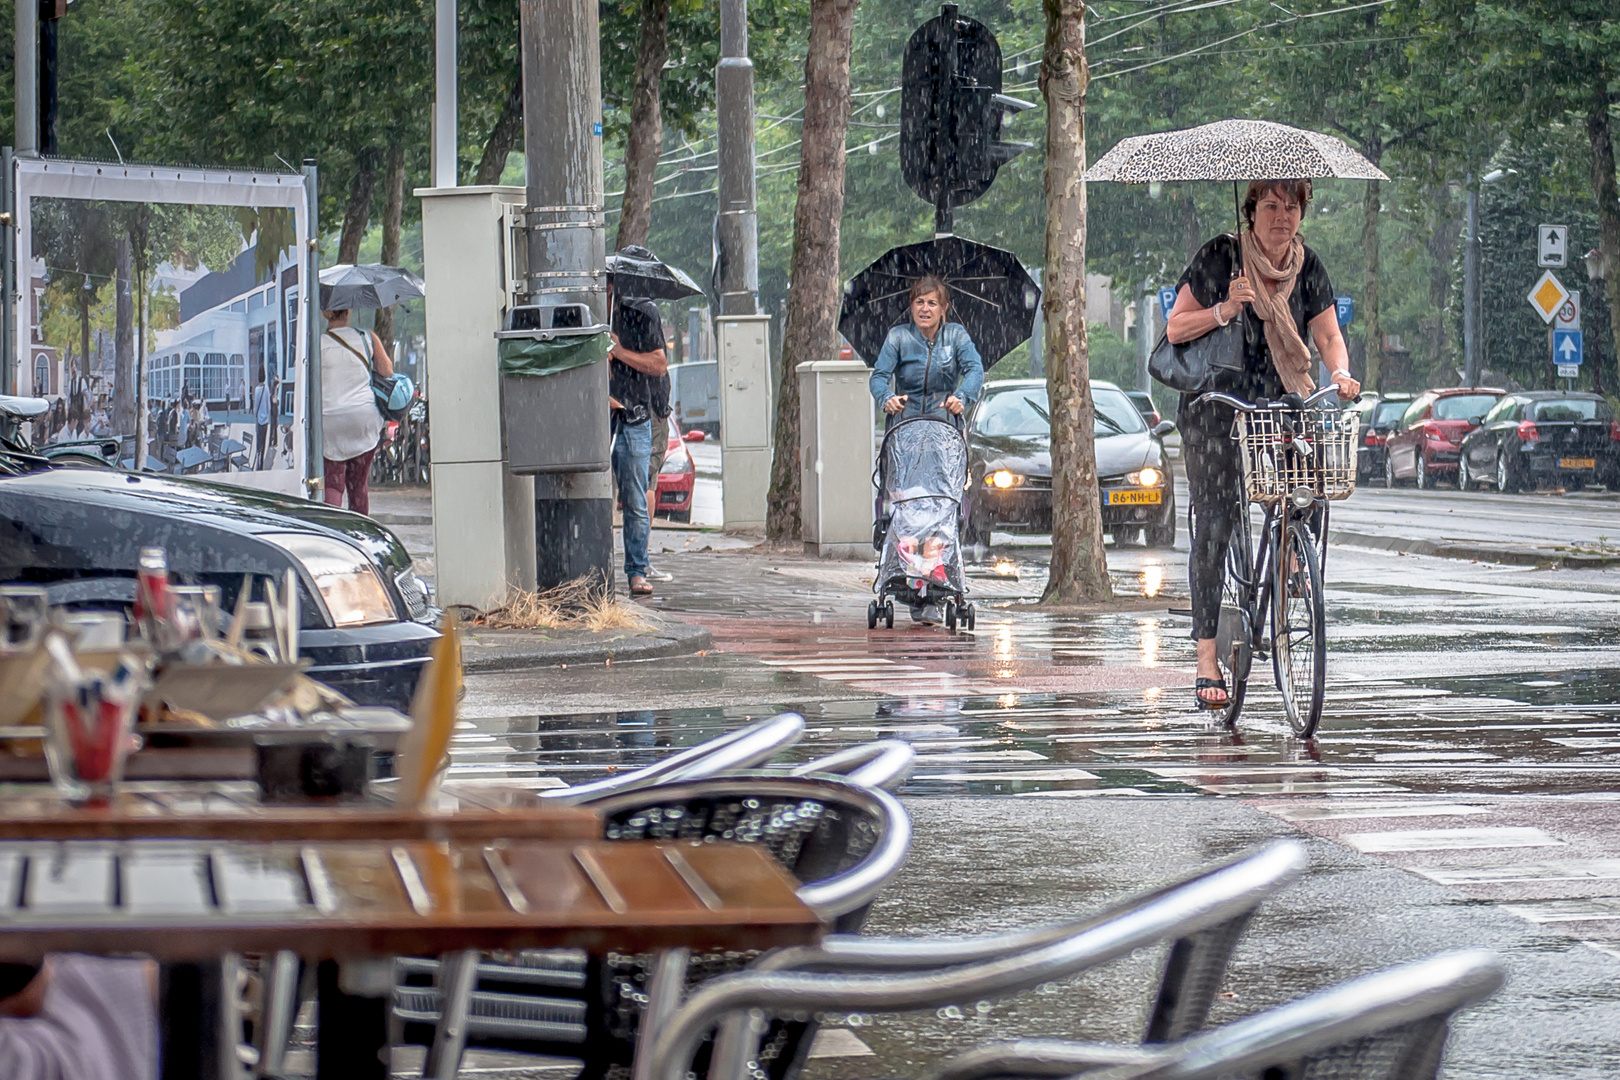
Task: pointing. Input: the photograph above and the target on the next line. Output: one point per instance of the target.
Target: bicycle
(1296, 458)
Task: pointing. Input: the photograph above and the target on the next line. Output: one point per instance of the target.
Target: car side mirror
(696, 435)
(1475, 421)
(1163, 428)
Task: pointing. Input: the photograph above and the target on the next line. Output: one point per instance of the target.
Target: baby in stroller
(926, 377)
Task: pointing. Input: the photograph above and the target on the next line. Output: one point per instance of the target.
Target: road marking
(1552, 870)
(1435, 755)
(1303, 787)
(1586, 744)
(1081, 793)
(1031, 774)
(987, 756)
(1451, 839)
(833, 1042)
(1607, 948)
(1379, 810)
(1590, 909)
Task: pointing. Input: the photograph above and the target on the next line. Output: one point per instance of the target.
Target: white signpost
(1552, 245)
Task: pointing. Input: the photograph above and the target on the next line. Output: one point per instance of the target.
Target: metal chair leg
(280, 977)
(664, 992)
(456, 980)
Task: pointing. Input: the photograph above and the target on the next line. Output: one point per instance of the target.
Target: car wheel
(1506, 480)
(683, 517)
(976, 530)
(1389, 470)
(1420, 468)
(1163, 534)
(1465, 480)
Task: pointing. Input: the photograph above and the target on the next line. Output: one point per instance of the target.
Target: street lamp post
(1597, 271)
(1472, 358)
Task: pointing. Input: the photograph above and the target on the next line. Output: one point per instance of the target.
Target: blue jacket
(949, 364)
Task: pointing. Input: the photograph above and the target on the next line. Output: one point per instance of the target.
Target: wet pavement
(1464, 789)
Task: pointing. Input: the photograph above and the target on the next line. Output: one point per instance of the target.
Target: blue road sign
(1567, 347)
(1346, 307)
(1167, 300)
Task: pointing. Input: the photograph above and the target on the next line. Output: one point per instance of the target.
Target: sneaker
(654, 574)
(926, 614)
(639, 586)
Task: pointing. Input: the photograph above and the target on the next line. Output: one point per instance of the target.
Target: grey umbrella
(348, 286)
(638, 272)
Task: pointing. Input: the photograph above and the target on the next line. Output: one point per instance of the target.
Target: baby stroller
(922, 471)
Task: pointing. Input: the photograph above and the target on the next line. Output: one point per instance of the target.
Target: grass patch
(581, 604)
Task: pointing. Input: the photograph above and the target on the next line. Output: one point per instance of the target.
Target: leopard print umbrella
(1231, 150)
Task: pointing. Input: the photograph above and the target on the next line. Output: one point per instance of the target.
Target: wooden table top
(231, 811)
(178, 900)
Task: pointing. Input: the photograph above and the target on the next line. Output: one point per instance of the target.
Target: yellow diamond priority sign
(1548, 297)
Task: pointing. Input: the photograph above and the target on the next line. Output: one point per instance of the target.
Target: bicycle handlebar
(1285, 403)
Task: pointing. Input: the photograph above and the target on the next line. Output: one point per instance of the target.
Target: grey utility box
(836, 457)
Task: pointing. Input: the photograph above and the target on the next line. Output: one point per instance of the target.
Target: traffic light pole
(742, 334)
(25, 54)
(562, 142)
(944, 91)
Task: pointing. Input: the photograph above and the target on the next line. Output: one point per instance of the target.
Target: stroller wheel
(871, 615)
(888, 614)
(969, 616)
(950, 616)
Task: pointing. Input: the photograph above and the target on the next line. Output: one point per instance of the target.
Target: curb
(1508, 556)
(669, 638)
(386, 518)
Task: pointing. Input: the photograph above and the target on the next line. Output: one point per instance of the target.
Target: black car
(1543, 437)
(1010, 465)
(1379, 418)
(366, 621)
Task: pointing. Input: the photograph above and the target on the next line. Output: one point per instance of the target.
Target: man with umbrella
(638, 384)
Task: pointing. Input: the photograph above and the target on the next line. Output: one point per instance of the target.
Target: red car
(1424, 445)
(674, 490)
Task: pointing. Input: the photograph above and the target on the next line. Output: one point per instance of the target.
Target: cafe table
(188, 902)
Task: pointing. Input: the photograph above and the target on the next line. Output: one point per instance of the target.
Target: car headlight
(1148, 477)
(676, 463)
(347, 581)
(1001, 478)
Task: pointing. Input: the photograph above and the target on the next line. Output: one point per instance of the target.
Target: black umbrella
(347, 286)
(992, 295)
(638, 272)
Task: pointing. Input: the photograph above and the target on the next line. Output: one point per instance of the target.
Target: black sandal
(1211, 684)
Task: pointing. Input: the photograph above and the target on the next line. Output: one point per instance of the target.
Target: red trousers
(352, 476)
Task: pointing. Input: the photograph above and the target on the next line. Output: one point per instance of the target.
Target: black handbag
(1190, 366)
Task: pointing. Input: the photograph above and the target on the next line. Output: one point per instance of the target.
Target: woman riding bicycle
(1283, 295)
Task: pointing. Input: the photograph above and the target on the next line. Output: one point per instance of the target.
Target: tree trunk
(143, 409)
(358, 213)
(1373, 373)
(1608, 201)
(123, 343)
(503, 137)
(86, 297)
(1442, 246)
(393, 209)
(811, 329)
(1079, 568)
(646, 138)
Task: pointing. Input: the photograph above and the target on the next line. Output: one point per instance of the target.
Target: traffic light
(951, 110)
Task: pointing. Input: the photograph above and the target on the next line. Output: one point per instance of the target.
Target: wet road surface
(1464, 790)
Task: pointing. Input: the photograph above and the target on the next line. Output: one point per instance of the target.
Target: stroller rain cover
(922, 473)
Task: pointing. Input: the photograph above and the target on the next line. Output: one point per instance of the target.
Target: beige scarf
(1289, 353)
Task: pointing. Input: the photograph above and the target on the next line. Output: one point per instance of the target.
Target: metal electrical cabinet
(836, 458)
(745, 418)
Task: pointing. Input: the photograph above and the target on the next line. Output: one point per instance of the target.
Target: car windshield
(1388, 412)
(1571, 409)
(1463, 406)
(1023, 412)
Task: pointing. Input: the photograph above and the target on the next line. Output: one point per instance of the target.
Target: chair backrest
(1390, 1025)
(1206, 902)
(883, 763)
(842, 841)
(744, 748)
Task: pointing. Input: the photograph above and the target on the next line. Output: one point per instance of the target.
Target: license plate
(1577, 463)
(1132, 498)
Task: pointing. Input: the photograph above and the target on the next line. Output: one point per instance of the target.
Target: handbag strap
(363, 359)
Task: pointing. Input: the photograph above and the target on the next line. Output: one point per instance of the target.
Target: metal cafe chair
(883, 763)
(1390, 1025)
(1203, 916)
(845, 842)
(748, 746)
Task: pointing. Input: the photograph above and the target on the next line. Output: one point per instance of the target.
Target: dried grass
(581, 604)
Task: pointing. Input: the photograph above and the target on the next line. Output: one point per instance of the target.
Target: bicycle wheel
(1299, 629)
(1235, 638)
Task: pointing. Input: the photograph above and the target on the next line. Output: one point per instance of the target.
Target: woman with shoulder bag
(1279, 290)
(351, 426)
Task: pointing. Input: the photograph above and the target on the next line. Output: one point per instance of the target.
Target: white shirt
(99, 1022)
(350, 422)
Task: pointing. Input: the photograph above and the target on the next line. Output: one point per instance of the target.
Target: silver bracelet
(1216, 310)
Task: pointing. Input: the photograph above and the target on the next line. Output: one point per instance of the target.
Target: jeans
(632, 452)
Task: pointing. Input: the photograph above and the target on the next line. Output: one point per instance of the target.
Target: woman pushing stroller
(928, 370)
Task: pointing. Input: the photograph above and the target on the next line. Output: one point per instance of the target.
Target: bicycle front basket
(1287, 449)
